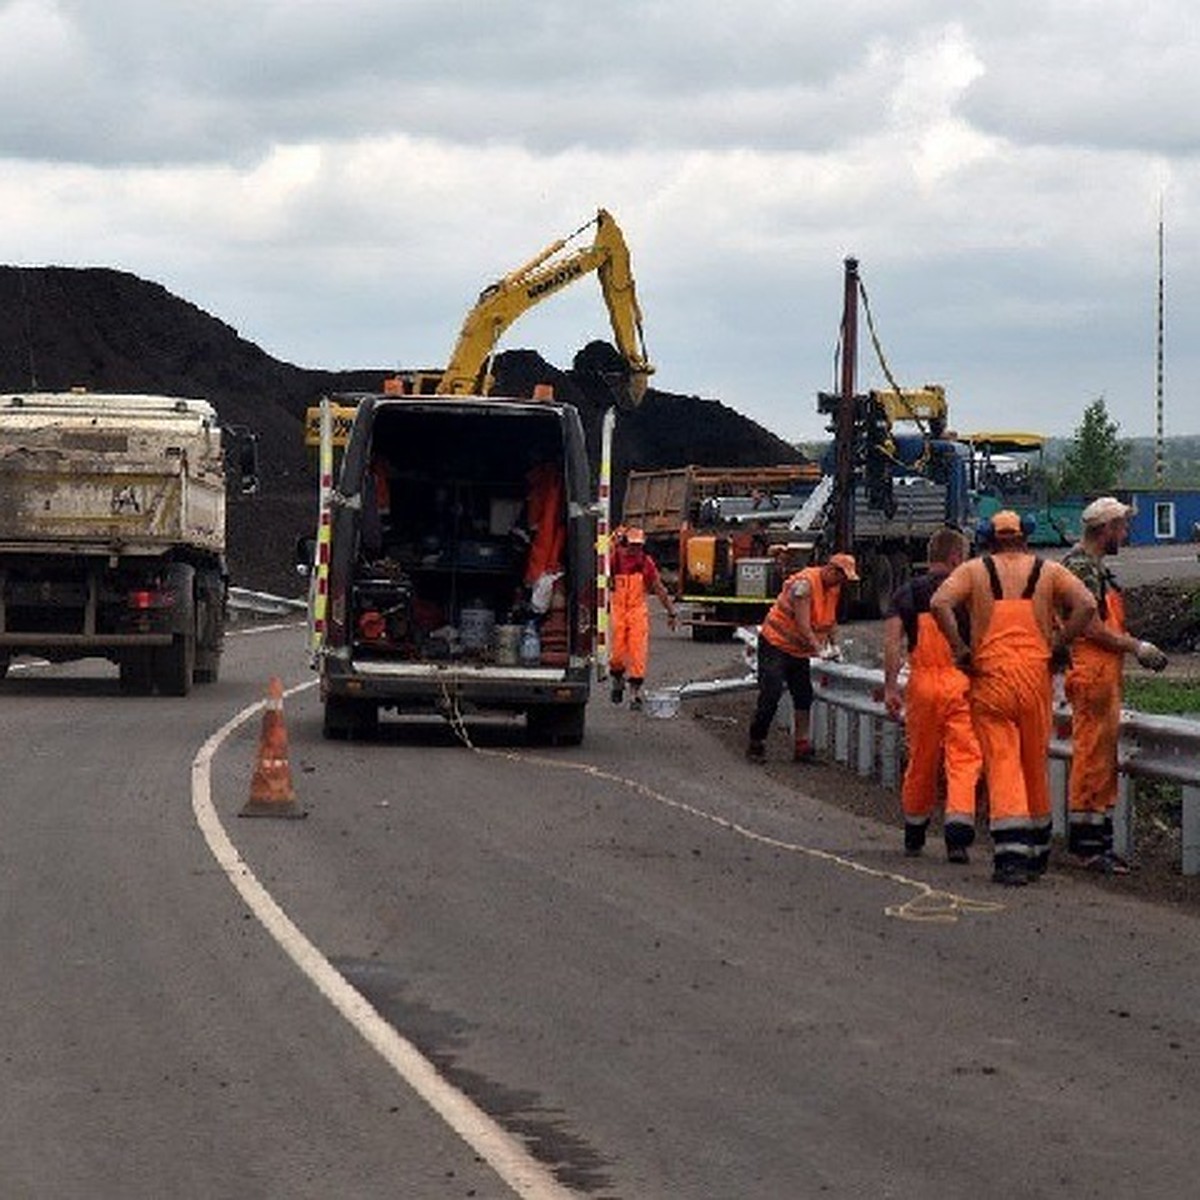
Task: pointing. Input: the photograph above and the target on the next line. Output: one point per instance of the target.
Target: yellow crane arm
(501, 303)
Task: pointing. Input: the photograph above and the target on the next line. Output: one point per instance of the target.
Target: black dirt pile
(1167, 614)
(111, 331)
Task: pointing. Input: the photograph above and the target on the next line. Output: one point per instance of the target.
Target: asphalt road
(653, 968)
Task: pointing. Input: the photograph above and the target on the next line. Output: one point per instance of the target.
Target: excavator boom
(502, 302)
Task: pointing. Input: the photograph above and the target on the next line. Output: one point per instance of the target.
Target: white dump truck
(112, 534)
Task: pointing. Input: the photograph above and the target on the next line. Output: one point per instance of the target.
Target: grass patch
(1164, 697)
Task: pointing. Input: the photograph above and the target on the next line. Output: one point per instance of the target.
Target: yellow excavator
(501, 303)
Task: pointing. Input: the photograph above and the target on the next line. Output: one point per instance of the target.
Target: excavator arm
(501, 303)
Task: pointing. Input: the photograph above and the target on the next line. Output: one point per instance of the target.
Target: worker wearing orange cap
(1024, 612)
(937, 712)
(634, 574)
(802, 623)
(1093, 685)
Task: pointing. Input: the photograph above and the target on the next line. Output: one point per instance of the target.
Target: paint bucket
(475, 627)
(508, 645)
(664, 703)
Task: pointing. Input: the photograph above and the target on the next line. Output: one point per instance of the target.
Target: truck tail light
(149, 599)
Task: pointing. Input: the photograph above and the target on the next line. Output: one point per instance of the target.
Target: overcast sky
(337, 179)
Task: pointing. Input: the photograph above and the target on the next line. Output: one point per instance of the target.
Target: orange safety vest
(780, 626)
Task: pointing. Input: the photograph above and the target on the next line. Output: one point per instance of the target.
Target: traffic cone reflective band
(271, 792)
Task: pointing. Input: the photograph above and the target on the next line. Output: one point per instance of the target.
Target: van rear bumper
(434, 687)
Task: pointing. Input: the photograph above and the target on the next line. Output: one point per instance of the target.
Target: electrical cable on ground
(930, 904)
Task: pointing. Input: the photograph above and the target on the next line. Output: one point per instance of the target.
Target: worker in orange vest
(1093, 685)
(1024, 614)
(634, 575)
(937, 714)
(801, 624)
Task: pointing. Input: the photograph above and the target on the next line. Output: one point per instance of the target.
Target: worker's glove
(893, 701)
(1150, 656)
(671, 621)
(962, 659)
(830, 652)
(1060, 656)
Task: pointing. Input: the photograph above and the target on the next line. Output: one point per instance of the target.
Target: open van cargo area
(462, 564)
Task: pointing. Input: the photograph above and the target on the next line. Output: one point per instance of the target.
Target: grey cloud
(200, 83)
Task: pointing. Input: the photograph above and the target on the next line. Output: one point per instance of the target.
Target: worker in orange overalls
(801, 624)
(1093, 686)
(634, 574)
(1024, 613)
(937, 713)
(544, 509)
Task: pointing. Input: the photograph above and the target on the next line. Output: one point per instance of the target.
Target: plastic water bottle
(531, 645)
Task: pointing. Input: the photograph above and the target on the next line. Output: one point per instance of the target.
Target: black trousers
(777, 670)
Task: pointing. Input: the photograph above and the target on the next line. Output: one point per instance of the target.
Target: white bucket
(475, 628)
(663, 703)
(508, 645)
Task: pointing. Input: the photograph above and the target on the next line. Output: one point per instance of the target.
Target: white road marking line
(527, 1177)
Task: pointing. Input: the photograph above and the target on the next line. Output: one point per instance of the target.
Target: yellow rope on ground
(929, 904)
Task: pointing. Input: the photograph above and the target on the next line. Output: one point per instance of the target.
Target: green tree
(1095, 458)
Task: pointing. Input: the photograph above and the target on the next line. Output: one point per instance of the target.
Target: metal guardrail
(263, 603)
(850, 722)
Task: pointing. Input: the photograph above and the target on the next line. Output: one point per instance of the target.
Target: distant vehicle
(1009, 471)
(112, 533)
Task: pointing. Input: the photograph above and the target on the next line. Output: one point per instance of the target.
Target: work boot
(957, 854)
(803, 752)
(1010, 874)
(914, 840)
(756, 751)
(618, 688)
(635, 701)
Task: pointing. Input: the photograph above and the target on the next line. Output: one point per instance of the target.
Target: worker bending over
(1093, 686)
(802, 623)
(937, 713)
(1024, 611)
(634, 574)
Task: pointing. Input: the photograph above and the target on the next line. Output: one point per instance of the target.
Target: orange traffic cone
(271, 793)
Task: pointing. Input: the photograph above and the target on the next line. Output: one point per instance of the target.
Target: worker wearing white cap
(1093, 685)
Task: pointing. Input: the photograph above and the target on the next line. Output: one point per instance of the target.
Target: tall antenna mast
(1158, 427)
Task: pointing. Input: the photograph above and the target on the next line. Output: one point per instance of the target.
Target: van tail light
(584, 623)
(335, 617)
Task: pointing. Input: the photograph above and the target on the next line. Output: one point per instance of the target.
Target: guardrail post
(841, 734)
(1191, 830)
(1060, 770)
(819, 729)
(1123, 817)
(890, 743)
(865, 758)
